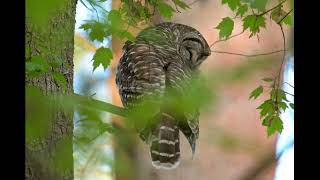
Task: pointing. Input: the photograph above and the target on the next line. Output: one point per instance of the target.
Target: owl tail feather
(165, 149)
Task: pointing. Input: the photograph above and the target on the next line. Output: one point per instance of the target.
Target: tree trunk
(53, 42)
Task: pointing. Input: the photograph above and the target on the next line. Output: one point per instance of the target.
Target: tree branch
(288, 93)
(289, 84)
(221, 40)
(100, 105)
(248, 55)
(265, 162)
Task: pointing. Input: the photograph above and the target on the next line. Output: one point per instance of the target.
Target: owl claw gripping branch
(161, 58)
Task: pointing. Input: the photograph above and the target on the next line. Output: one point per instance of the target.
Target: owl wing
(140, 75)
(179, 78)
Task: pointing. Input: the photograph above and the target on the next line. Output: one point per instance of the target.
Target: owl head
(191, 44)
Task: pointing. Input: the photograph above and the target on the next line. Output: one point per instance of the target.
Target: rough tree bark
(53, 42)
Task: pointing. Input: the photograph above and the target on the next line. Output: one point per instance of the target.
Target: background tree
(49, 33)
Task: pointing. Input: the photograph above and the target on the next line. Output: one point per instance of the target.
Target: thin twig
(289, 84)
(284, 54)
(263, 13)
(248, 55)
(284, 16)
(288, 93)
(221, 40)
(94, 10)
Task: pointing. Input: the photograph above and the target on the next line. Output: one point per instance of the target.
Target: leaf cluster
(117, 22)
(254, 21)
(271, 108)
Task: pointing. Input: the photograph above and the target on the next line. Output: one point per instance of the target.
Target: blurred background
(232, 144)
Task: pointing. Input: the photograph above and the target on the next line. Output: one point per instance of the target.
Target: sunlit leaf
(225, 27)
(288, 20)
(242, 10)
(103, 56)
(260, 5)
(231, 3)
(254, 23)
(283, 105)
(97, 31)
(257, 92)
(276, 125)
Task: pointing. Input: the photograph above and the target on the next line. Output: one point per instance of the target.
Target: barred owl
(161, 58)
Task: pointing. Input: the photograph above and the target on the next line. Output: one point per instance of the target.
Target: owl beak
(207, 52)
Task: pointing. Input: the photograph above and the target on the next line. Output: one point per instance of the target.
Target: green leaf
(288, 20)
(276, 125)
(225, 27)
(260, 5)
(268, 79)
(266, 108)
(266, 121)
(291, 105)
(86, 26)
(242, 10)
(181, 4)
(97, 30)
(254, 23)
(257, 92)
(283, 105)
(102, 56)
(59, 79)
(115, 19)
(165, 10)
(277, 14)
(282, 95)
(233, 4)
(265, 104)
(142, 11)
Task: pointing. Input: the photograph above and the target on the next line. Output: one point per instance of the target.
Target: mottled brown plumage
(163, 57)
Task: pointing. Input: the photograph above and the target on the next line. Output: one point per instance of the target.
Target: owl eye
(190, 53)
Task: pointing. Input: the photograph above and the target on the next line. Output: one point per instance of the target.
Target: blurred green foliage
(38, 121)
(39, 12)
